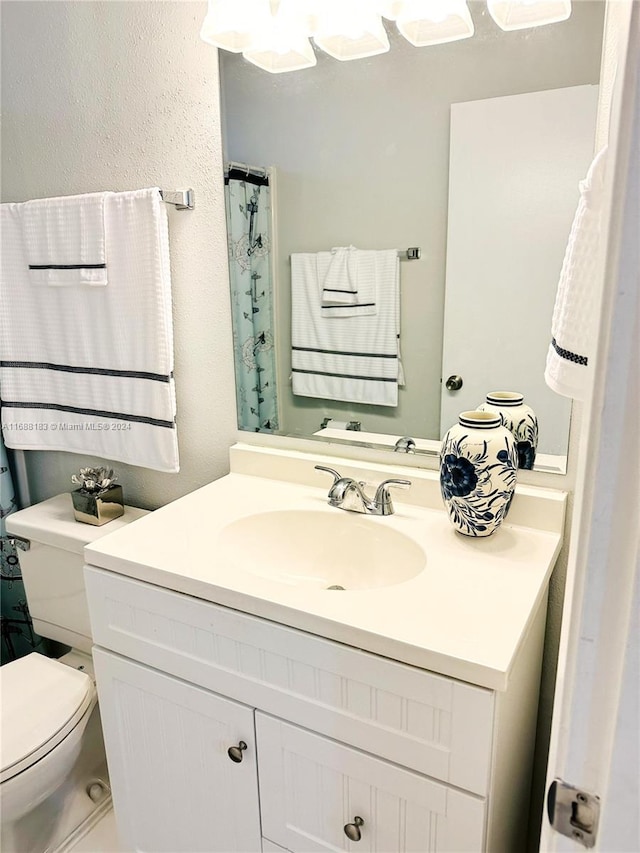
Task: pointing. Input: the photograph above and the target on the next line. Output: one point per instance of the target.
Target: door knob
(454, 383)
(352, 830)
(235, 752)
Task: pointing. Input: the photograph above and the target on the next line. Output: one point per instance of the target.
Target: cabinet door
(175, 788)
(312, 788)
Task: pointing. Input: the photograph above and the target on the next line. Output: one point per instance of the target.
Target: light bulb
(519, 14)
(230, 24)
(282, 44)
(350, 29)
(427, 22)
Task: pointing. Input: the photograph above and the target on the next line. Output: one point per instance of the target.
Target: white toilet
(53, 781)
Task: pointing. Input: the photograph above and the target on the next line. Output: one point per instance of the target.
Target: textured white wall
(115, 96)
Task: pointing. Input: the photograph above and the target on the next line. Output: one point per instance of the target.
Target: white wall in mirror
(514, 167)
(361, 153)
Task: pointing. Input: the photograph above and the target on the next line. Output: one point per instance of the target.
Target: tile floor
(102, 838)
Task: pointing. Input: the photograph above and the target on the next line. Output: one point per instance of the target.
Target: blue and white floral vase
(520, 419)
(478, 466)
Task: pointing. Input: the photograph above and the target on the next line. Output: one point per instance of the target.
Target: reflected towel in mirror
(349, 288)
(351, 358)
(348, 284)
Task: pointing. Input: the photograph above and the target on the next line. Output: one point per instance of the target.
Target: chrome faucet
(349, 494)
(406, 444)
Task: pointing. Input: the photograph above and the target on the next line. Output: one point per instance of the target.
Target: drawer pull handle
(352, 830)
(235, 752)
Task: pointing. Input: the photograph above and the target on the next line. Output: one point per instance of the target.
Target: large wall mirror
(470, 151)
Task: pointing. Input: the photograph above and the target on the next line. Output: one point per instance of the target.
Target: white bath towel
(90, 369)
(64, 240)
(574, 325)
(345, 358)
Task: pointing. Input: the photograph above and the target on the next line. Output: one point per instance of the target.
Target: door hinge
(573, 812)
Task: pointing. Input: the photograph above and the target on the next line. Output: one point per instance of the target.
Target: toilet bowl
(53, 775)
(38, 750)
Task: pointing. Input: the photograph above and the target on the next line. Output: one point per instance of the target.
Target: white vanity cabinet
(425, 762)
(174, 784)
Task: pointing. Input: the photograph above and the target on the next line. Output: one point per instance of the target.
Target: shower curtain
(16, 630)
(248, 204)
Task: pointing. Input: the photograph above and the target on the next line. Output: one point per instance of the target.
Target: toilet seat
(42, 701)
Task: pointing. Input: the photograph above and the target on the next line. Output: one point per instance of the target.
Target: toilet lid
(41, 701)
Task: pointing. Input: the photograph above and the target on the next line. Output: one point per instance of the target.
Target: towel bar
(183, 199)
(413, 253)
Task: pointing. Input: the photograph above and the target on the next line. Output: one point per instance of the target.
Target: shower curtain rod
(256, 171)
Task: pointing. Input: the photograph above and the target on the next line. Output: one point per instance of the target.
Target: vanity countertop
(464, 616)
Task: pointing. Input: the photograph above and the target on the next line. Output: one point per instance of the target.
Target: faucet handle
(383, 498)
(331, 471)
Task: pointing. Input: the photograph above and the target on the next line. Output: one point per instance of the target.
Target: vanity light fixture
(425, 22)
(350, 29)
(275, 34)
(519, 14)
(282, 44)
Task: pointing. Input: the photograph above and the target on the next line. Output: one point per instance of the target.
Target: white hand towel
(64, 240)
(90, 370)
(574, 325)
(362, 273)
(340, 286)
(344, 358)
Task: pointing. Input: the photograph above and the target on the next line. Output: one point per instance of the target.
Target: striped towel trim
(76, 410)
(345, 352)
(95, 371)
(67, 266)
(345, 375)
(568, 355)
(351, 307)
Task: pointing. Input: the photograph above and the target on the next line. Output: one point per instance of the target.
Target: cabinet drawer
(312, 787)
(432, 724)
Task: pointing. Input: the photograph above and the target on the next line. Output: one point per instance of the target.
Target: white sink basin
(417, 591)
(321, 550)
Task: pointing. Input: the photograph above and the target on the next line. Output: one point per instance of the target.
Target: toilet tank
(52, 566)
